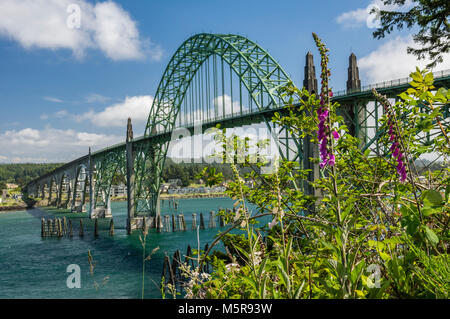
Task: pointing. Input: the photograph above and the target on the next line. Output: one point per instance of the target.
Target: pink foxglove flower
(324, 133)
(396, 147)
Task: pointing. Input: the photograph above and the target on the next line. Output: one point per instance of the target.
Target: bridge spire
(310, 150)
(310, 80)
(129, 130)
(130, 157)
(353, 82)
(355, 112)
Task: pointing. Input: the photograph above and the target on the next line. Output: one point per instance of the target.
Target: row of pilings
(63, 227)
(173, 223)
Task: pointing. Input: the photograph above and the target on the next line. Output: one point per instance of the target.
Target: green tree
(430, 16)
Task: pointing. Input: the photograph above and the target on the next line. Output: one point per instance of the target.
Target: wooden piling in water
(43, 227)
(96, 228)
(202, 222)
(111, 227)
(49, 227)
(174, 226)
(70, 228)
(81, 231)
(60, 227)
(212, 220)
(176, 262)
(194, 221)
(167, 267)
(158, 223)
(52, 227)
(166, 223)
(187, 258)
(183, 222)
(65, 225)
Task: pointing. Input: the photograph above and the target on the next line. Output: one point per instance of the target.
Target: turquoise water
(35, 267)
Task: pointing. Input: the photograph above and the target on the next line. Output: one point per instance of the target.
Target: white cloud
(104, 26)
(44, 117)
(96, 98)
(391, 61)
(353, 18)
(362, 16)
(136, 107)
(53, 99)
(50, 144)
(61, 113)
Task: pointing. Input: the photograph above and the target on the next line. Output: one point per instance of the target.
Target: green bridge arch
(257, 71)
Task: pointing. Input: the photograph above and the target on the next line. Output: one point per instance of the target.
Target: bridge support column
(310, 149)
(50, 193)
(59, 192)
(354, 113)
(43, 191)
(130, 154)
(82, 207)
(74, 193)
(91, 184)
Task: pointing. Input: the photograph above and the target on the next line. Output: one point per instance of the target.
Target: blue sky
(62, 90)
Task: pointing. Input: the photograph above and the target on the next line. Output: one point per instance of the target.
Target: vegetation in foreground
(375, 229)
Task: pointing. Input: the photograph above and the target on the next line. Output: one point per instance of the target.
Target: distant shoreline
(12, 207)
(181, 196)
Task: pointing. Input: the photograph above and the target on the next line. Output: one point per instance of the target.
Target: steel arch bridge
(211, 79)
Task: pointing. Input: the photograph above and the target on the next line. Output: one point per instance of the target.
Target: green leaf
(411, 91)
(405, 96)
(417, 76)
(262, 266)
(432, 198)
(432, 237)
(384, 256)
(263, 288)
(377, 244)
(284, 276)
(428, 211)
(299, 290)
(429, 78)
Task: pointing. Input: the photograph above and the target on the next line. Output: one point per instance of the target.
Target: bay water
(35, 267)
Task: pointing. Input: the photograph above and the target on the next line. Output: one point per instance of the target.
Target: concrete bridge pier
(79, 186)
(130, 156)
(94, 211)
(80, 207)
(50, 191)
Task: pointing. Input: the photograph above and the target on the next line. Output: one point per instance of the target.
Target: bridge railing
(388, 84)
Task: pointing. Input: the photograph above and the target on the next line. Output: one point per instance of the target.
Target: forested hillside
(22, 173)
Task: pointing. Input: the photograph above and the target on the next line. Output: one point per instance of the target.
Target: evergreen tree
(430, 16)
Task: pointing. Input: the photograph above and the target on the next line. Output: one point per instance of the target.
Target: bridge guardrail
(387, 84)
